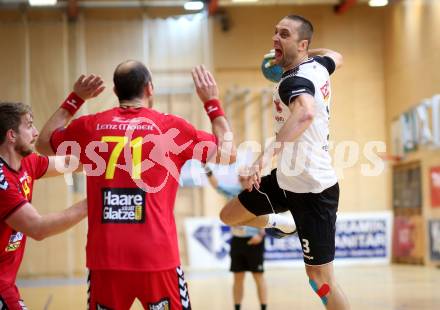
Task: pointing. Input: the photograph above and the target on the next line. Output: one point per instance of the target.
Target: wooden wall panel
(12, 46)
(47, 80)
(411, 72)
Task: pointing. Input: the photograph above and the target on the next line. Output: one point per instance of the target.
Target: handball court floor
(368, 287)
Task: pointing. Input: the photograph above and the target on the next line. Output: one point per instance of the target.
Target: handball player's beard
(288, 59)
(25, 150)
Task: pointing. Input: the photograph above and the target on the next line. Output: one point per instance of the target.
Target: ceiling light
(378, 3)
(42, 2)
(193, 5)
(244, 1)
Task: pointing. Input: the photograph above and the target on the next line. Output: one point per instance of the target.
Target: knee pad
(322, 291)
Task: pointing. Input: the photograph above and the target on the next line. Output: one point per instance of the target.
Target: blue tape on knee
(313, 285)
(321, 292)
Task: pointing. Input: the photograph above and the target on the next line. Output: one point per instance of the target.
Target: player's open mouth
(278, 53)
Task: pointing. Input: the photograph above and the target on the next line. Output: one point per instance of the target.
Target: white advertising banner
(360, 238)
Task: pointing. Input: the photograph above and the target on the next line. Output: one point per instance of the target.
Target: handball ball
(271, 72)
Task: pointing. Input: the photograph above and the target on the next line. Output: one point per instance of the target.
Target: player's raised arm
(84, 88)
(208, 93)
(325, 52)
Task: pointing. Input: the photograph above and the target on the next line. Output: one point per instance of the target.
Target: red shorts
(10, 299)
(117, 290)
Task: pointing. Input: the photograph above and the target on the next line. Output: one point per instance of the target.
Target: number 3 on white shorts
(305, 246)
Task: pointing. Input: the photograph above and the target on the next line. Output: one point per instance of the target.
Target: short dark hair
(130, 78)
(305, 30)
(10, 117)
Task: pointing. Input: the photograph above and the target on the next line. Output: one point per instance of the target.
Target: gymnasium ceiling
(175, 3)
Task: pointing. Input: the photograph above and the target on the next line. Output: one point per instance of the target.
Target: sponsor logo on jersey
(163, 304)
(124, 126)
(121, 123)
(14, 242)
(106, 126)
(325, 90)
(25, 180)
(3, 183)
(123, 205)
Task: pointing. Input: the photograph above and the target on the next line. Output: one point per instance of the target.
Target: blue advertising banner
(362, 237)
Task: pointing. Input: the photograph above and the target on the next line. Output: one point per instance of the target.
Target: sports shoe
(278, 233)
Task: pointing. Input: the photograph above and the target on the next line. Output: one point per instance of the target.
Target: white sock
(282, 222)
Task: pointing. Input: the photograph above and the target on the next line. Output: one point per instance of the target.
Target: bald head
(130, 78)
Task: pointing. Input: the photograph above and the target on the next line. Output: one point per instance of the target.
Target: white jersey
(305, 165)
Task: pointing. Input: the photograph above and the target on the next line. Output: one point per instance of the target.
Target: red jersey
(132, 159)
(15, 190)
